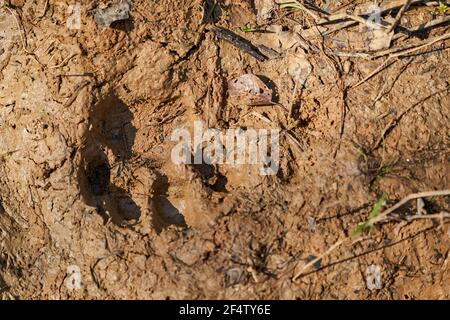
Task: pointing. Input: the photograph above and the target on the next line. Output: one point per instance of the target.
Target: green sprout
(362, 153)
(248, 28)
(443, 8)
(369, 224)
(383, 171)
(290, 5)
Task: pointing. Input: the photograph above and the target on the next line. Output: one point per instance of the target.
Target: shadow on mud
(110, 128)
(165, 213)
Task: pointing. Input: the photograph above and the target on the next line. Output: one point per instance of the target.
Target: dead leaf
(250, 90)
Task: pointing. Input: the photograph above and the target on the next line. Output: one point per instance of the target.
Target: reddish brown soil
(86, 177)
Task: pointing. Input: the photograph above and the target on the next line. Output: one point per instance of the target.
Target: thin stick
(346, 24)
(395, 121)
(382, 217)
(366, 22)
(45, 10)
(409, 47)
(294, 140)
(383, 92)
(22, 38)
(287, 132)
(427, 44)
(405, 200)
(388, 62)
(319, 258)
(428, 25)
(404, 8)
(307, 11)
(63, 62)
(399, 55)
(392, 6)
(429, 216)
(240, 43)
(75, 93)
(374, 55)
(261, 117)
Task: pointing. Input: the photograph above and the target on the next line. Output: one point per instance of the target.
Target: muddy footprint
(108, 144)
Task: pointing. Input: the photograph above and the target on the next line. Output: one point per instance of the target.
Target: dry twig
(382, 217)
(400, 14)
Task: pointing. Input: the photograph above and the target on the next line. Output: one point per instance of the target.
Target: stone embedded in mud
(115, 12)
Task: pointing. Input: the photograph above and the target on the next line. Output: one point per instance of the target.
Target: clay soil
(90, 197)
